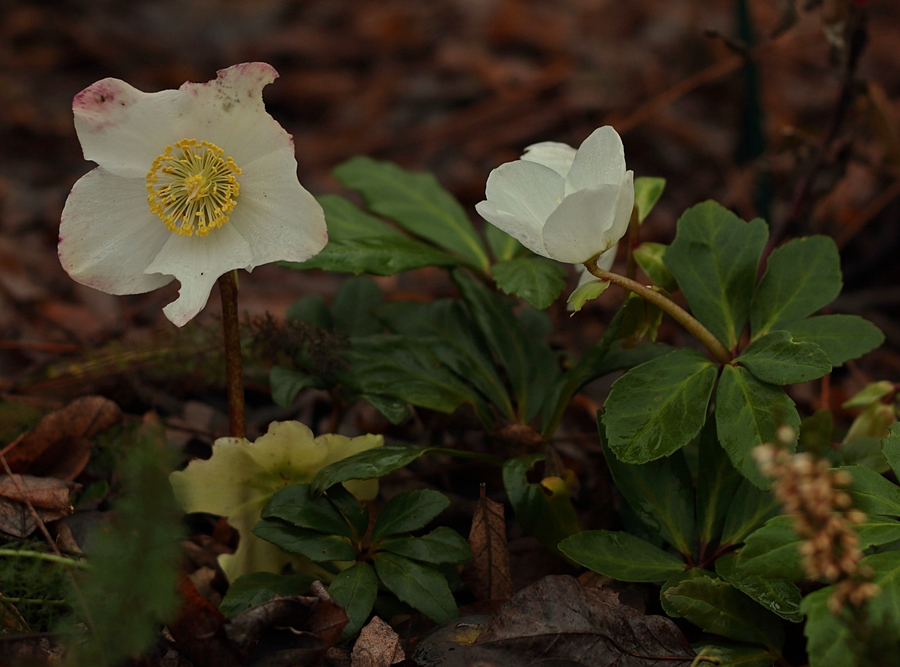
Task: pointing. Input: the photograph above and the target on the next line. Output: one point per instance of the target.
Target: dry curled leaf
(59, 446)
(377, 646)
(50, 498)
(487, 574)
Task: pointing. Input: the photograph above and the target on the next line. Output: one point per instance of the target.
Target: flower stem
(234, 371)
(679, 314)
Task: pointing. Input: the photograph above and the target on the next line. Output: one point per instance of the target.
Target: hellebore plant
(242, 476)
(191, 184)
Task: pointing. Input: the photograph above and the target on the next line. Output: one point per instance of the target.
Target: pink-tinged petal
(275, 214)
(197, 262)
(600, 160)
(230, 113)
(551, 154)
(108, 236)
(123, 129)
(582, 225)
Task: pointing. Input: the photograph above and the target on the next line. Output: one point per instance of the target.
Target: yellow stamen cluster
(192, 187)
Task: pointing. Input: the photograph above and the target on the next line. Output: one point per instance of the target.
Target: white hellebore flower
(191, 184)
(241, 476)
(561, 203)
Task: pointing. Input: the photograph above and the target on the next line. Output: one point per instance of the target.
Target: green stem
(234, 371)
(50, 558)
(679, 314)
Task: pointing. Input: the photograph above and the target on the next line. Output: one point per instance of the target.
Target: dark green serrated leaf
(661, 494)
(647, 191)
(502, 244)
(287, 383)
(301, 541)
(419, 586)
(649, 257)
(872, 493)
(416, 202)
(750, 508)
(749, 412)
(831, 640)
(584, 293)
(773, 551)
(252, 589)
(801, 276)
(535, 279)
(621, 556)
(369, 464)
(355, 589)
(890, 447)
(408, 511)
(714, 258)
(674, 580)
(779, 596)
(659, 406)
(353, 512)
(296, 505)
(717, 607)
(394, 410)
(777, 359)
(717, 483)
(455, 343)
(816, 433)
(441, 545)
(353, 304)
(547, 515)
(843, 337)
(878, 530)
(885, 608)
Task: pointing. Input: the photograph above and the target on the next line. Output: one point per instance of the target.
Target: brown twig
(234, 368)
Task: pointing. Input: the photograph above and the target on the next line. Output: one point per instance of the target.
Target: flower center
(192, 187)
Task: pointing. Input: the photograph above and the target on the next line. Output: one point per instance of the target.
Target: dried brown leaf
(51, 499)
(59, 446)
(488, 574)
(377, 646)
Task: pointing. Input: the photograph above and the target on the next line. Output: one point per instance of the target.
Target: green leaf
(719, 608)
(416, 202)
(642, 320)
(659, 406)
(748, 413)
(252, 589)
(878, 530)
(779, 596)
(816, 432)
(353, 304)
(441, 545)
(773, 551)
(647, 191)
(649, 257)
(535, 279)
(369, 464)
(843, 337)
(311, 308)
(801, 276)
(454, 341)
(777, 359)
(355, 589)
(731, 655)
(296, 505)
(674, 580)
(502, 244)
(714, 257)
(885, 608)
(661, 494)
(310, 543)
(750, 508)
(408, 511)
(717, 483)
(890, 447)
(393, 409)
(621, 556)
(872, 393)
(354, 513)
(523, 360)
(361, 243)
(872, 493)
(586, 292)
(419, 586)
(406, 368)
(287, 383)
(831, 640)
(543, 510)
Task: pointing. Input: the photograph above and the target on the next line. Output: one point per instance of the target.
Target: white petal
(581, 227)
(197, 262)
(624, 207)
(520, 197)
(274, 213)
(600, 160)
(123, 129)
(108, 235)
(230, 113)
(551, 154)
(604, 262)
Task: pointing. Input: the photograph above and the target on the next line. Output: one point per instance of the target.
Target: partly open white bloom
(191, 184)
(241, 476)
(561, 203)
